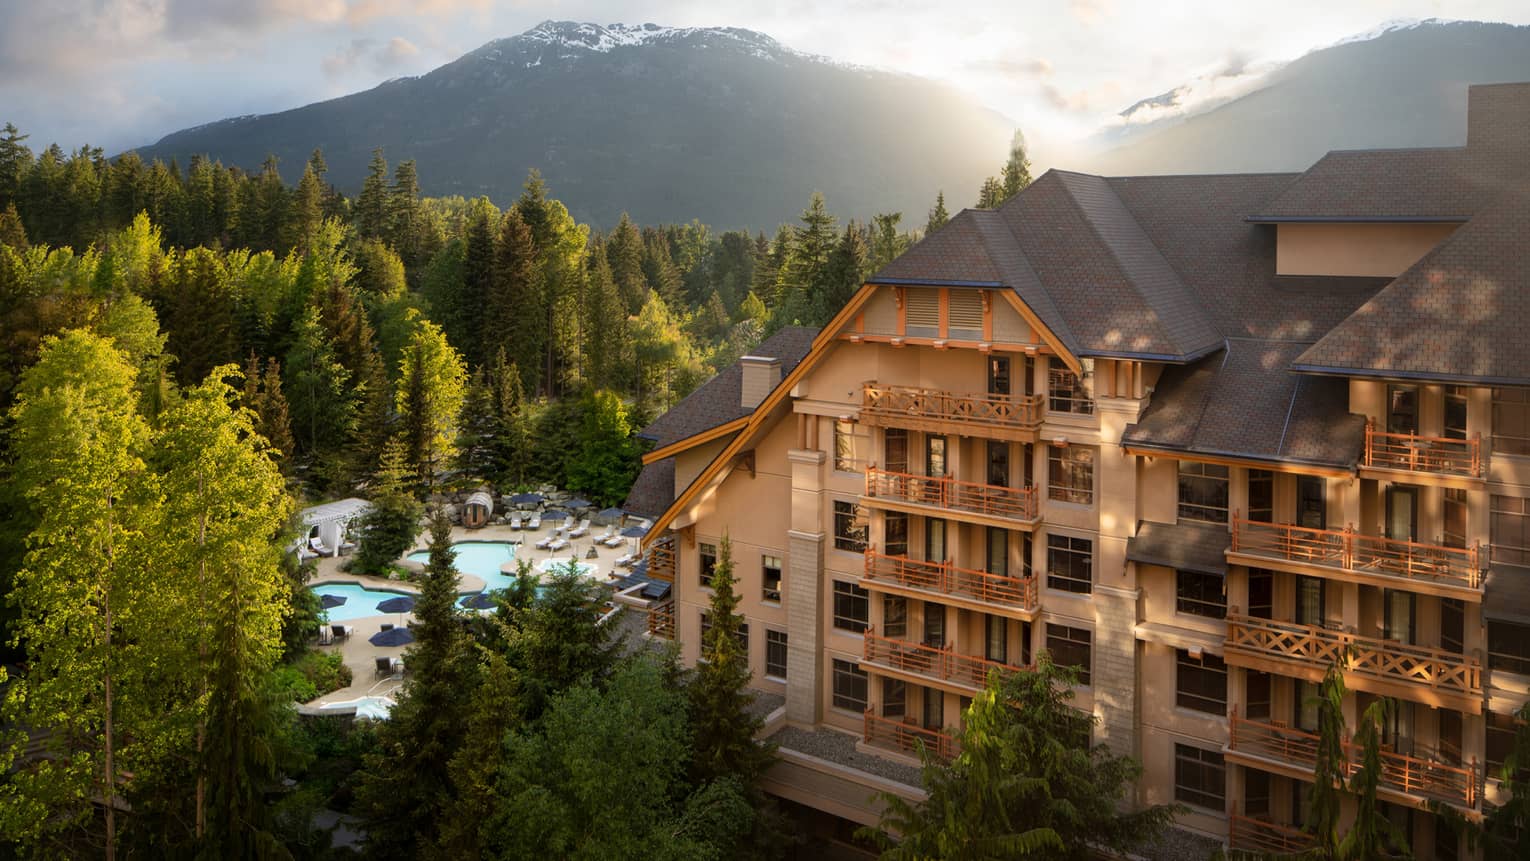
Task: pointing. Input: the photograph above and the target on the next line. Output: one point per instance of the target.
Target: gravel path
(838, 747)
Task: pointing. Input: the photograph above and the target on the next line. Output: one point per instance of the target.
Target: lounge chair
(627, 560)
(545, 543)
(581, 530)
(558, 544)
(614, 541)
(346, 547)
(515, 521)
(536, 522)
(318, 546)
(326, 636)
(341, 632)
(389, 667)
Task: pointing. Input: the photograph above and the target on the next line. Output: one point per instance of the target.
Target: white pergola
(333, 520)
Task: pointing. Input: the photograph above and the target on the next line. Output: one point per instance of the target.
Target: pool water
(560, 564)
(482, 559)
(359, 600)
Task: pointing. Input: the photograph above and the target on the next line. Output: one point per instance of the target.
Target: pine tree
(406, 219)
(15, 161)
(476, 765)
(625, 252)
(843, 275)
(306, 212)
(606, 463)
(512, 440)
(478, 426)
(200, 315)
(323, 414)
(510, 319)
(390, 526)
(886, 242)
(559, 641)
(405, 793)
(1017, 170)
(803, 271)
(372, 203)
(429, 400)
(768, 257)
(604, 323)
(660, 271)
(991, 194)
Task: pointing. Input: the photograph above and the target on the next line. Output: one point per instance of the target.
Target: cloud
(1082, 101)
(1036, 67)
(382, 58)
(1089, 11)
(362, 11)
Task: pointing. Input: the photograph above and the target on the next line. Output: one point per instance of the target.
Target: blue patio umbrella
(392, 637)
(527, 498)
(554, 514)
(329, 601)
(401, 604)
(579, 503)
(609, 515)
(481, 601)
(634, 532)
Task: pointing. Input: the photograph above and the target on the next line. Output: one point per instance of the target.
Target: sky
(120, 73)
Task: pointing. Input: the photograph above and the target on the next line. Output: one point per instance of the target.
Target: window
(708, 554)
(895, 449)
(1257, 685)
(1455, 412)
(1200, 777)
(1311, 502)
(998, 463)
(1261, 593)
(1261, 495)
(996, 639)
(1402, 409)
(921, 311)
(1202, 492)
(852, 607)
(1070, 471)
(1069, 393)
(998, 551)
(934, 709)
(998, 375)
(935, 625)
(1310, 609)
(1305, 709)
(1453, 625)
(1509, 530)
(895, 532)
(1070, 648)
(1256, 792)
(1511, 421)
(770, 589)
(849, 527)
(1070, 564)
(1455, 517)
(775, 653)
(894, 698)
(1509, 647)
(894, 616)
(849, 686)
(1200, 684)
(935, 540)
(1199, 594)
(741, 634)
(935, 456)
(1399, 611)
(849, 447)
(1501, 729)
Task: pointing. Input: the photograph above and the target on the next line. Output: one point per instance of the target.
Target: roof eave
(1154, 449)
(1357, 219)
(933, 282)
(1398, 374)
(1169, 358)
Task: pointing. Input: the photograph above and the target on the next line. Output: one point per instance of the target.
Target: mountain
(1406, 87)
(724, 125)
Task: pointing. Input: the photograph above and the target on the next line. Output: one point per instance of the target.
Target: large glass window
(998, 551)
(895, 443)
(998, 375)
(1070, 564)
(849, 686)
(1257, 685)
(849, 526)
(1511, 421)
(894, 698)
(934, 625)
(1311, 502)
(852, 607)
(996, 638)
(1402, 409)
(895, 531)
(1203, 492)
(935, 540)
(1068, 392)
(1509, 647)
(1261, 593)
(998, 463)
(1200, 777)
(770, 578)
(849, 447)
(1199, 594)
(1261, 495)
(708, 554)
(1509, 530)
(1310, 603)
(1070, 648)
(1070, 471)
(1455, 517)
(935, 456)
(894, 616)
(1200, 683)
(1399, 616)
(1455, 412)
(775, 653)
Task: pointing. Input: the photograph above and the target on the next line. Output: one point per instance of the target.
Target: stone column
(804, 589)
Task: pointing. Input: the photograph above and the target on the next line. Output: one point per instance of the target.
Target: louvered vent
(923, 310)
(967, 310)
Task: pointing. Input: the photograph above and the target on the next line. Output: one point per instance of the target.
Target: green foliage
(1499, 835)
(393, 522)
(311, 676)
(429, 400)
(606, 460)
(938, 214)
(559, 642)
(1022, 786)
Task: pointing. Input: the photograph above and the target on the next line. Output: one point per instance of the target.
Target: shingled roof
(717, 401)
(1433, 184)
(1244, 402)
(654, 490)
(1458, 314)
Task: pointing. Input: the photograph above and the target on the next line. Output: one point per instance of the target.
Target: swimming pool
(374, 707)
(560, 564)
(359, 600)
(482, 559)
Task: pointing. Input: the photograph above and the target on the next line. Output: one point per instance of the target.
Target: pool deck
(361, 655)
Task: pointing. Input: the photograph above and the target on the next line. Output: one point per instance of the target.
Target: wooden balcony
(1430, 455)
(661, 559)
(903, 735)
(1414, 778)
(1451, 572)
(661, 620)
(1385, 667)
(994, 416)
(1251, 834)
(976, 590)
(989, 504)
(925, 665)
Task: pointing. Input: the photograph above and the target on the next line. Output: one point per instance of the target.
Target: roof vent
(761, 375)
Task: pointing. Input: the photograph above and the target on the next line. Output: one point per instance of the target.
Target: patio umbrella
(527, 498)
(579, 503)
(401, 604)
(481, 601)
(328, 601)
(554, 514)
(634, 532)
(608, 515)
(392, 637)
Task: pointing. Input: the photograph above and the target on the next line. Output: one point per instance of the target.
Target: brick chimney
(1498, 119)
(761, 374)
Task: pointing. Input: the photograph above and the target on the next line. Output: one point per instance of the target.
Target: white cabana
(328, 523)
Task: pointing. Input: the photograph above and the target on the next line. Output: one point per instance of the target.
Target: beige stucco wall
(1375, 250)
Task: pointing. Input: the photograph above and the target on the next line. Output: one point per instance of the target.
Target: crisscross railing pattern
(1415, 453)
(1014, 503)
(903, 736)
(1350, 551)
(661, 619)
(901, 402)
(947, 579)
(661, 559)
(918, 659)
(1365, 656)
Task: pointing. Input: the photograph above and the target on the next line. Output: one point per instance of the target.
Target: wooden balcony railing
(938, 664)
(933, 409)
(1386, 660)
(1455, 784)
(661, 559)
(947, 579)
(903, 734)
(1347, 550)
(1415, 453)
(1257, 835)
(661, 620)
(1011, 503)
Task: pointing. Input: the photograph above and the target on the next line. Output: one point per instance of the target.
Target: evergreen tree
(406, 219)
(372, 203)
(1023, 786)
(12, 231)
(625, 253)
(323, 414)
(478, 761)
(886, 242)
(660, 271)
(770, 256)
(512, 438)
(509, 318)
(606, 463)
(843, 275)
(803, 273)
(559, 642)
(1017, 170)
(1500, 833)
(306, 212)
(405, 793)
(200, 315)
(390, 526)
(263, 396)
(991, 194)
(429, 400)
(604, 323)
(15, 161)
(478, 425)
